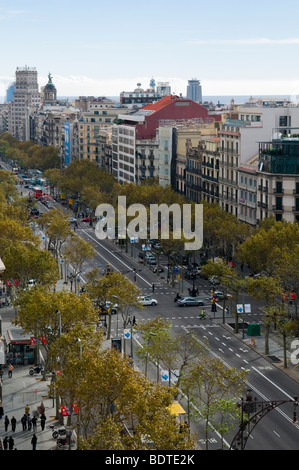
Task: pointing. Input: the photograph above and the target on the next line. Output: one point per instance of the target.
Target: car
(151, 261)
(86, 219)
(73, 220)
(218, 295)
(146, 300)
(213, 280)
(190, 301)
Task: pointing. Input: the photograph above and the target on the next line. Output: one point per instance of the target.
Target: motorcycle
(36, 370)
(56, 432)
(177, 297)
(61, 442)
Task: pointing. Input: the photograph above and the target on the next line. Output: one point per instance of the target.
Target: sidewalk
(23, 389)
(19, 391)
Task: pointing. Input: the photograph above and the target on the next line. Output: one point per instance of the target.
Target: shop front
(19, 349)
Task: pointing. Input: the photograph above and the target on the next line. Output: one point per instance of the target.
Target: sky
(101, 48)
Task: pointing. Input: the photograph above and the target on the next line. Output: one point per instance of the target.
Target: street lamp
(252, 411)
(60, 328)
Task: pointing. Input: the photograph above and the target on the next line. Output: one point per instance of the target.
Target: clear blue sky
(95, 47)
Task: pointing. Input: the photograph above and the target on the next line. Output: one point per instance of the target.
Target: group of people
(28, 423)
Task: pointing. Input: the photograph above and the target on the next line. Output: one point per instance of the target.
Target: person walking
(43, 421)
(1, 410)
(34, 442)
(29, 423)
(10, 369)
(13, 423)
(153, 287)
(6, 423)
(203, 313)
(27, 410)
(10, 443)
(34, 423)
(24, 422)
(5, 443)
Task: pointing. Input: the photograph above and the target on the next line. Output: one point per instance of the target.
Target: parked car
(190, 301)
(86, 219)
(145, 300)
(151, 261)
(213, 280)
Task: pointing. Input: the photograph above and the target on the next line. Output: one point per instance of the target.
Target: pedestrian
(153, 287)
(5, 443)
(203, 313)
(6, 422)
(34, 422)
(29, 423)
(24, 422)
(43, 421)
(13, 423)
(1, 372)
(134, 320)
(10, 443)
(27, 410)
(1, 410)
(10, 369)
(33, 442)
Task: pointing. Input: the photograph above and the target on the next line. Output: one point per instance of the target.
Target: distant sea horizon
(221, 99)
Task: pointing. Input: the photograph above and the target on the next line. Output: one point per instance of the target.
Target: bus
(38, 192)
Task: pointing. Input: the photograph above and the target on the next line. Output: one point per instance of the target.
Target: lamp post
(60, 327)
(252, 411)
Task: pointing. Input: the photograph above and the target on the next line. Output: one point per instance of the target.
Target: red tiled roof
(161, 103)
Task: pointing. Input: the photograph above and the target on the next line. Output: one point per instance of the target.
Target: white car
(145, 300)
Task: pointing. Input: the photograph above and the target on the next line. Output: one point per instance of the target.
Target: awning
(176, 409)
(2, 267)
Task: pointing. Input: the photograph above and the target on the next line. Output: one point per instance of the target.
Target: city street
(267, 379)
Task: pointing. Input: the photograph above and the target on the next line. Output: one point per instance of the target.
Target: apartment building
(278, 178)
(140, 97)
(155, 138)
(100, 116)
(240, 135)
(247, 192)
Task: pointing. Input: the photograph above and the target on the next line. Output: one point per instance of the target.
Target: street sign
(127, 333)
(247, 308)
(164, 375)
(240, 308)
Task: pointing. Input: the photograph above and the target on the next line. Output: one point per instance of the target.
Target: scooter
(56, 432)
(64, 441)
(36, 370)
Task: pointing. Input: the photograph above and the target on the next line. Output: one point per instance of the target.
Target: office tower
(26, 96)
(194, 92)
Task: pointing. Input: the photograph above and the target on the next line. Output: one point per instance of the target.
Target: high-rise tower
(194, 92)
(26, 95)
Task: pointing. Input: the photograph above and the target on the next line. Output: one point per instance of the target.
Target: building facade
(26, 95)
